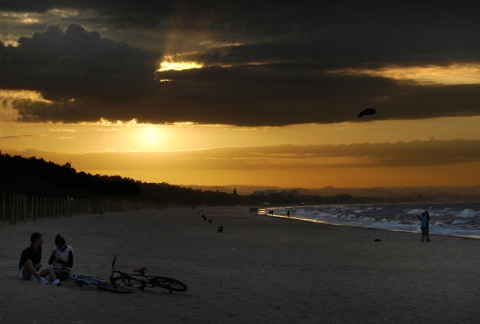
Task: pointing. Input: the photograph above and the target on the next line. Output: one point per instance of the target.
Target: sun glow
(178, 66)
(452, 74)
(12, 95)
(149, 136)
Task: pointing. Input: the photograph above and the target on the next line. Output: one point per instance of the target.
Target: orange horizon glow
(296, 156)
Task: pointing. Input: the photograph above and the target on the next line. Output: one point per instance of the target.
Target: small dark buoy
(220, 229)
(377, 240)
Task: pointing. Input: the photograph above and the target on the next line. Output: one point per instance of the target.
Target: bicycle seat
(141, 270)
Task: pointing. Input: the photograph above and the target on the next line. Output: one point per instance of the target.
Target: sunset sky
(245, 92)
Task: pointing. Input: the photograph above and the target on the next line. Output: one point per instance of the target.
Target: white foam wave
(467, 213)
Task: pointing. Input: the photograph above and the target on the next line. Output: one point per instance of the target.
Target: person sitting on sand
(30, 263)
(61, 258)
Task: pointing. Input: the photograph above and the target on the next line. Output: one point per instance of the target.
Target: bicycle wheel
(129, 282)
(169, 284)
(114, 288)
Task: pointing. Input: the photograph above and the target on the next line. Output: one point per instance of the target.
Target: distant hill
(447, 193)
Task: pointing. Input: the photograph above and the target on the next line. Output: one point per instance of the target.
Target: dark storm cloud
(277, 74)
(374, 26)
(75, 64)
(72, 58)
(279, 95)
(115, 81)
(26, 5)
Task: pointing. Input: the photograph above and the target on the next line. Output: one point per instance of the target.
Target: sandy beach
(259, 270)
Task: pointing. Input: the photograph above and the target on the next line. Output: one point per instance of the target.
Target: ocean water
(457, 219)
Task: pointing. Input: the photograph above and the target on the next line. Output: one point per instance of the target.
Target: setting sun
(149, 136)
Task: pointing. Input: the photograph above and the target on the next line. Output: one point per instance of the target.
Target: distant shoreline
(471, 232)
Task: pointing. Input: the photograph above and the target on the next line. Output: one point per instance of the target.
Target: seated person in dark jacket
(30, 263)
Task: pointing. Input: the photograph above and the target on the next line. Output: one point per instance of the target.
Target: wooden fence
(15, 208)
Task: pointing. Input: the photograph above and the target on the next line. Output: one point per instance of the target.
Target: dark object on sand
(368, 111)
(83, 280)
(220, 229)
(139, 279)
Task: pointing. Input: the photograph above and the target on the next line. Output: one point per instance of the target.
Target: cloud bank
(264, 63)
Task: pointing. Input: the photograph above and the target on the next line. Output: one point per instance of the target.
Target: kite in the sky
(368, 111)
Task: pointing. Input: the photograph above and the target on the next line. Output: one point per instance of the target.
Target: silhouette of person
(30, 263)
(61, 258)
(428, 226)
(424, 226)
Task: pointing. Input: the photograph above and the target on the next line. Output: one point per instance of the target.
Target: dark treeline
(37, 177)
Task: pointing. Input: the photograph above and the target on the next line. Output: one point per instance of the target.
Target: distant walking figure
(424, 220)
(428, 225)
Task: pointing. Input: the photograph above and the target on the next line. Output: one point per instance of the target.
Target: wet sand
(259, 270)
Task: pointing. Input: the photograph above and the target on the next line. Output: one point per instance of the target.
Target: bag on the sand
(63, 275)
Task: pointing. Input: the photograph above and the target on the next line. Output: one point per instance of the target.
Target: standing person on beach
(428, 225)
(61, 258)
(30, 263)
(424, 226)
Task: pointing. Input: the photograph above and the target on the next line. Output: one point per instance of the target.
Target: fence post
(32, 209)
(36, 208)
(24, 213)
(10, 214)
(3, 208)
(14, 210)
(18, 208)
(25, 208)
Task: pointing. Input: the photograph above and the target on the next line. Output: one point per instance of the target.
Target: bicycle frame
(140, 280)
(101, 284)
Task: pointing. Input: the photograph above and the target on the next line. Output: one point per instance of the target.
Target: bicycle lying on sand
(101, 284)
(140, 280)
